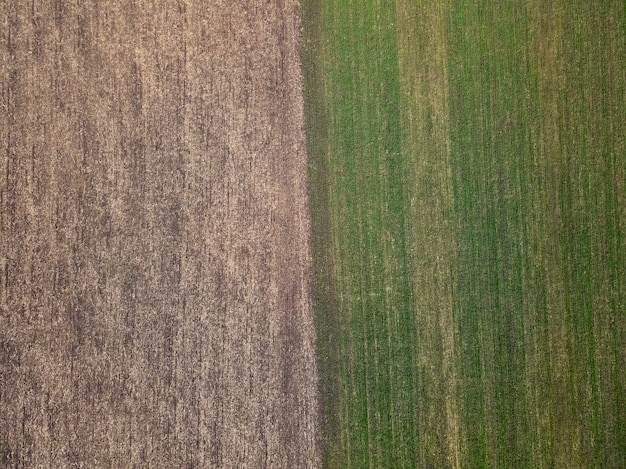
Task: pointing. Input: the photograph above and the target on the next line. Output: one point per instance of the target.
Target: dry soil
(155, 265)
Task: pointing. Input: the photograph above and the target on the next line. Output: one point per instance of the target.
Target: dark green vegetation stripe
(538, 157)
(468, 189)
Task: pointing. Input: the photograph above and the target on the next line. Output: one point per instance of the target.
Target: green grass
(467, 183)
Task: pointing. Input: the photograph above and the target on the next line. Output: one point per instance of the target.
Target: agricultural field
(467, 172)
(155, 268)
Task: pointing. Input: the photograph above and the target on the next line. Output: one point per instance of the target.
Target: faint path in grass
(428, 208)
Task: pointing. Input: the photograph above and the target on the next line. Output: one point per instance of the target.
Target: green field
(468, 192)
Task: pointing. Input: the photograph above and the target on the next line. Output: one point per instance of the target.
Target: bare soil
(154, 251)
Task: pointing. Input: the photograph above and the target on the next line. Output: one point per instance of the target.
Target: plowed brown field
(154, 251)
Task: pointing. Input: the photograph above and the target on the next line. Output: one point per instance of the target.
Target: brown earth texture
(155, 263)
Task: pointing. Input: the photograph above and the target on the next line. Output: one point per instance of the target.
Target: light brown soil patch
(155, 264)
